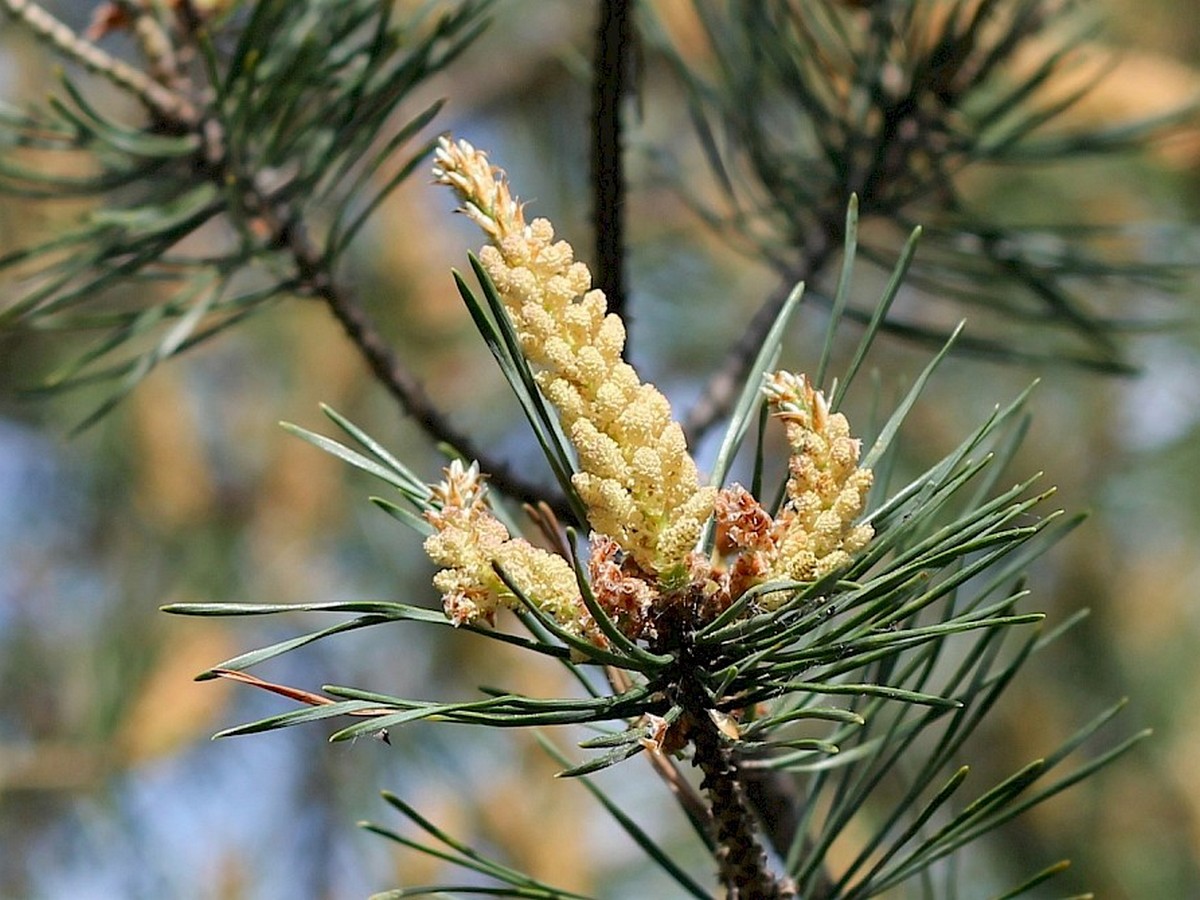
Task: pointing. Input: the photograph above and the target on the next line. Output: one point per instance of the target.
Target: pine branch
(805, 103)
(779, 806)
(860, 635)
(611, 71)
(274, 209)
(316, 278)
(740, 857)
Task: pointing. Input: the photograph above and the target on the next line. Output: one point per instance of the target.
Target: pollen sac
(636, 478)
(469, 542)
(638, 481)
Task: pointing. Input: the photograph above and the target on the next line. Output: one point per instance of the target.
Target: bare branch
(726, 382)
(611, 82)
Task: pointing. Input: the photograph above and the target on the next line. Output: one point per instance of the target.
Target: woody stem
(740, 857)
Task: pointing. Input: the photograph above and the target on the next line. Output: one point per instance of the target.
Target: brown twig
(724, 385)
(611, 82)
(685, 794)
(778, 804)
(741, 860)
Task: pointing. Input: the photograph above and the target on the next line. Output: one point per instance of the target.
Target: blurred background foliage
(189, 491)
